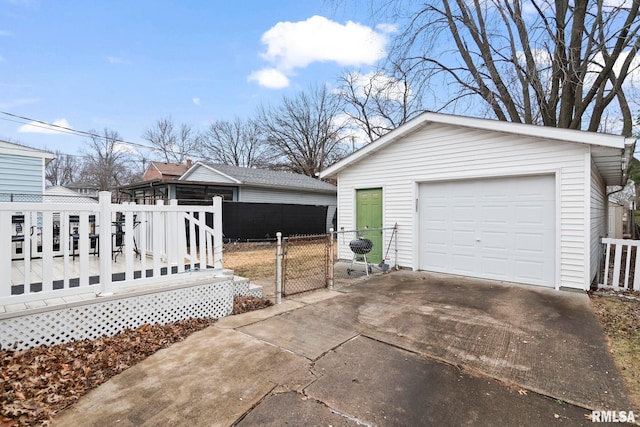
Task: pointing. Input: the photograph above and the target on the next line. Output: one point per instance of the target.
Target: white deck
(118, 266)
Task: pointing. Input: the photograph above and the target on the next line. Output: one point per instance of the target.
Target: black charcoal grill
(360, 248)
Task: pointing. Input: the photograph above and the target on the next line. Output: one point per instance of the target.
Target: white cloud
(5, 33)
(116, 60)
(37, 127)
(292, 45)
(121, 147)
(270, 78)
(1, 59)
(378, 84)
(196, 101)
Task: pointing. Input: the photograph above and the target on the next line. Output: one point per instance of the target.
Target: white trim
(21, 150)
(541, 132)
(415, 220)
(587, 218)
(190, 171)
(558, 206)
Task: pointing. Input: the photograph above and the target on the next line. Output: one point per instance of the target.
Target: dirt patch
(620, 319)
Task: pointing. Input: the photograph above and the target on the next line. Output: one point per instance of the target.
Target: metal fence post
(278, 267)
(395, 245)
(330, 261)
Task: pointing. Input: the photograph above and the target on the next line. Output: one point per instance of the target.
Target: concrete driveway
(398, 349)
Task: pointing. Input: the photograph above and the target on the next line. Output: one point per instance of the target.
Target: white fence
(61, 243)
(621, 264)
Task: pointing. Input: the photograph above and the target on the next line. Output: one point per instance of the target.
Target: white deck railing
(621, 264)
(155, 242)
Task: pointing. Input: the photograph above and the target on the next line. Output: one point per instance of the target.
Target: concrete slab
(399, 349)
(315, 296)
(543, 340)
(239, 320)
(301, 332)
(210, 379)
(377, 384)
(294, 409)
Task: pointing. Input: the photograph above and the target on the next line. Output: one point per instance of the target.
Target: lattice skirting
(93, 320)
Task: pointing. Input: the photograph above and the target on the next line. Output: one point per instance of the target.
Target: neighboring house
(267, 201)
(22, 175)
(84, 188)
(487, 199)
(165, 171)
(60, 194)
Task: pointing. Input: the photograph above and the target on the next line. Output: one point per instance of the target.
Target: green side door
(369, 216)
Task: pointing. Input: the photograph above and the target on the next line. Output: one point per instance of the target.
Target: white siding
(442, 152)
(204, 174)
(598, 217)
(268, 195)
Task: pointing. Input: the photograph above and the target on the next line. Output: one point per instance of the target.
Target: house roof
(22, 150)
(170, 169)
(83, 184)
(265, 177)
(58, 193)
(608, 151)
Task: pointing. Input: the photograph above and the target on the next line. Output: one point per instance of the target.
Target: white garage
(489, 199)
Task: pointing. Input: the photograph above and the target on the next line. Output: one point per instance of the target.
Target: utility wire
(44, 125)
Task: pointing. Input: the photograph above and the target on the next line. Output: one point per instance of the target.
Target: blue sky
(125, 64)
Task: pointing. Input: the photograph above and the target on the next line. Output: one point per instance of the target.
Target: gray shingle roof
(269, 178)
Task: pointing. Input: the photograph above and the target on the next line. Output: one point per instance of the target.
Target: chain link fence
(305, 264)
(45, 198)
(312, 261)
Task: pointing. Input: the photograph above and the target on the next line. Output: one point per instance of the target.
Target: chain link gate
(306, 263)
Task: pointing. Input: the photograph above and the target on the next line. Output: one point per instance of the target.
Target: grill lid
(361, 246)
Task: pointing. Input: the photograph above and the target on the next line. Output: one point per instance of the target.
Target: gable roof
(608, 150)
(170, 169)
(265, 177)
(7, 147)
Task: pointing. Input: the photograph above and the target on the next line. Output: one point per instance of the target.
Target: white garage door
(502, 228)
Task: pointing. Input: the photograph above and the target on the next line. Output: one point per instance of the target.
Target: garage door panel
(529, 270)
(529, 243)
(501, 228)
(494, 240)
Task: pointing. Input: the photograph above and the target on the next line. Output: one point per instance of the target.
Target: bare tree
(62, 170)
(174, 143)
(108, 161)
(557, 63)
(303, 130)
(377, 103)
(238, 142)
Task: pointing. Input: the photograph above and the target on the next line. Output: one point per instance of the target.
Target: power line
(69, 131)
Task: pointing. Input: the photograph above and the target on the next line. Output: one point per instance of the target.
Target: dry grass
(252, 260)
(620, 319)
(258, 260)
